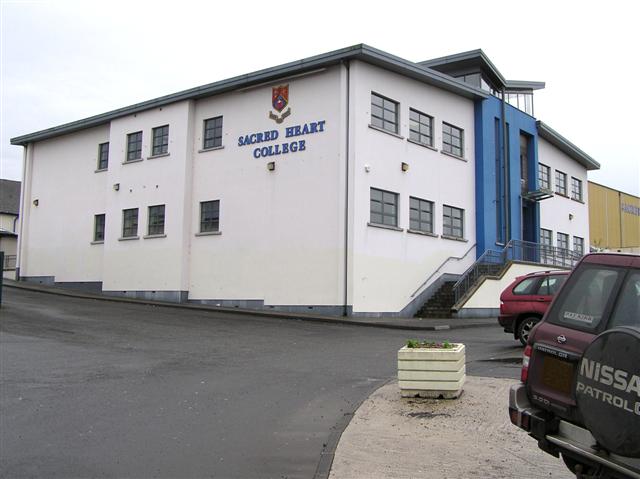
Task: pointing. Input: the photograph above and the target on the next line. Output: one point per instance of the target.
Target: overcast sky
(66, 60)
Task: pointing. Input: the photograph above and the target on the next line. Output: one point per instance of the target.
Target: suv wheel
(524, 328)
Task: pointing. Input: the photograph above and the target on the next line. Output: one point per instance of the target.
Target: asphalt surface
(93, 388)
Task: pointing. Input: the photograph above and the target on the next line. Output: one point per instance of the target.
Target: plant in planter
(431, 369)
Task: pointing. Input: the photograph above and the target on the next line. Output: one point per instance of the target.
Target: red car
(524, 302)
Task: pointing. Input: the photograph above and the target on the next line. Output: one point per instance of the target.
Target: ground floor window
(209, 216)
(452, 222)
(130, 223)
(98, 227)
(156, 220)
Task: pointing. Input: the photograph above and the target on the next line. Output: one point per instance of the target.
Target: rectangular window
(130, 223)
(160, 140)
(98, 227)
(563, 241)
(156, 220)
(546, 237)
(134, 146)
(420, 215)
(420, 127)
(576, 189)
(543, 177)
(384, 113)
(103, 156)
(384, 207)
(578, 245)
(212, 132)
(452, 139)
(209, 216)
(561, 183)
(452, 222)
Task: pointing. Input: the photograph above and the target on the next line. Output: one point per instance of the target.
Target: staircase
(439, 305)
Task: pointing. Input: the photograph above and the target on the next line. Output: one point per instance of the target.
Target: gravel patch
(471, 437)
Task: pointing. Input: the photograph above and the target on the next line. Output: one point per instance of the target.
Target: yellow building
(614, 219)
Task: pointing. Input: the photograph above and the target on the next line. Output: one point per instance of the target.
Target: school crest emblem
(280, 101)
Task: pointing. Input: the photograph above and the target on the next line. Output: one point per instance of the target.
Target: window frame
(550, 243)
(158, 220)
(541, 181)
(420, 124)
(429, 223)
(103, 156)
(209, 225)
(448, 146)
(561, 186)
(161, 148)
(576, 189)
(134, 139)
(450, 227)
(97, 229)
(131, 230)
(382, 212)
(559, 242)
(210, 138)
(375, 118)
(580, 241)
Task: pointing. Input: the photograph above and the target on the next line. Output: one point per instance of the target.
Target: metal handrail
(458, 258)
(515, 250)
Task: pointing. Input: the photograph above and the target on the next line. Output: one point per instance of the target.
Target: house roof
(477, 58)
(361, 52)
(10, 197)
(564, 145)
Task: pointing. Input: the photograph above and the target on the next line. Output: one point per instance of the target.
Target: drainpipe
(346, 198)
(505, 151)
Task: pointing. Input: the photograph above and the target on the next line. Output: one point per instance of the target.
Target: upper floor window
(98, 228)
(212, 132)
(420, 215)
(521, 100)
(130, 223)
(420, 127)
(209, 216)
(544, 181)
(576, 189)
(384, 113)
(561, 183)
(452, 139)
(156, 220)
(452, 222)
(134, 146)
(160, 140)
(103, 156)
(383, 207)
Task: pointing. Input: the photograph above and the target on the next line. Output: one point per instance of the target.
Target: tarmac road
(92, 388)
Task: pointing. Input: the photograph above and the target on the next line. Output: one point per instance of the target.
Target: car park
(579, 395)
(524, 302)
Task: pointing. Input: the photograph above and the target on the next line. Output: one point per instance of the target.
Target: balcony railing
(492, 262)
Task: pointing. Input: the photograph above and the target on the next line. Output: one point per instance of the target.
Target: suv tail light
(526, 356)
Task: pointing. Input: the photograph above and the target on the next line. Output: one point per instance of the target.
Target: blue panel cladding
(490, 213)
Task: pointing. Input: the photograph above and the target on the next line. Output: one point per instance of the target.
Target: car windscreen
(586, 297)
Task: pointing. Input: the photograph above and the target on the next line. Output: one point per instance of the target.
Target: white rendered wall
(281, 235)
(560, 213)
(57, 234)
(148, 264)
(388, 266)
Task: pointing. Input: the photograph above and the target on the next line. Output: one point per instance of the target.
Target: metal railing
(9, 262)
(492, 262)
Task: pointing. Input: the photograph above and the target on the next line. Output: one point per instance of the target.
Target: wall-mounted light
(570, 216)
(405, 166)
(36, 202)
(116, 186)
(367, 168)
(271, 165)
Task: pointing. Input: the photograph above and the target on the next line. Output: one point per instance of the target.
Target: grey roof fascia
(524, 85)
(564, 145)
(470, 55)
(356, 52)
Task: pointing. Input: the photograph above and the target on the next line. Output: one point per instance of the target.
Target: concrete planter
(431, 372)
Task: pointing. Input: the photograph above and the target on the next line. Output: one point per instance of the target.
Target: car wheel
(524, 328)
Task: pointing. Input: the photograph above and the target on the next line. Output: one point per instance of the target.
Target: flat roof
(361, 52)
